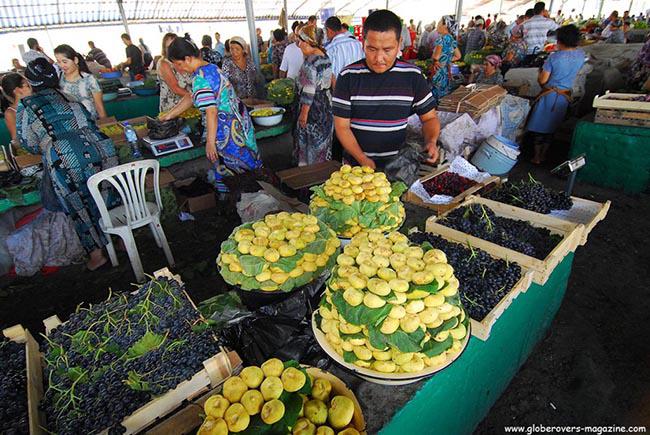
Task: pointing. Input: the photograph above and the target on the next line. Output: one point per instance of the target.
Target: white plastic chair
(135, 212)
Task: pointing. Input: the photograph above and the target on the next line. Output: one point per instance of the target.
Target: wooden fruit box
(586, 212)
(215, 371)
(34, 375)
(441, 208)
(571, 235)
(190, 418)
(622, 117)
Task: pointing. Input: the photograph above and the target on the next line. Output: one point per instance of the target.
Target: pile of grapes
(480, 221)
(448, 183)
(531, 195)
(484, 280)
(14, 419)
(110, 359)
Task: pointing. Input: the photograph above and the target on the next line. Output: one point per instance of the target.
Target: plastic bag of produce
(404, 167)
(254, 206)
(164, 129)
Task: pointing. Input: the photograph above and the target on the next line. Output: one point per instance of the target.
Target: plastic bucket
(497, 155)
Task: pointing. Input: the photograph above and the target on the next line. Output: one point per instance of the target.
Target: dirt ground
(593, 368)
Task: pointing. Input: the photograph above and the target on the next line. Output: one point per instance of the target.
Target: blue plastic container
(496, 155)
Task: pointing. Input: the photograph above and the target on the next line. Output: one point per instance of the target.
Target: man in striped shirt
(536, 29)
(374, 97)
(343, 49)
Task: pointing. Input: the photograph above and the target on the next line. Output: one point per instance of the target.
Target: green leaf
(432, 287)
(76, 374)
(135, 382)
(349, 357)
(377, 339)
(316, 247)
(406, 342)
(324, 303)
(426, 246)
(286, 264)
(359, 315)
(433, 348)
(251, 264)
(289, 284)
(397, 189)
(232, 278)
(366, 221)
(446, 325)
(250, 283)
(344, 214)
(147, 343)
(347, 337)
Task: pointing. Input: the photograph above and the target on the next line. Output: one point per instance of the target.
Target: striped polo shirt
(378, 105)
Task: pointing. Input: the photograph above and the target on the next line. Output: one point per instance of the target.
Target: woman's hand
(367, 161)
(304, 115)
(211, 152)
(165, 117)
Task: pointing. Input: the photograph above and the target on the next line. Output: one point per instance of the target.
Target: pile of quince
(280, 394)
(357, 198)
(280, 252)
(393, 307)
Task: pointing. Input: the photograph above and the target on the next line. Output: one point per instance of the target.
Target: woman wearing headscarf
(490, 74)
(515, 51)
(315, 127)
(445, 51)
(229, 135)
(72, 148)
(640, 73)
(239, 68)
(174, 85)
(497, 36)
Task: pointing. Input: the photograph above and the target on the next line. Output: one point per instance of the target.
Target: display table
(29, 198)
(459, 397)
(618, 156)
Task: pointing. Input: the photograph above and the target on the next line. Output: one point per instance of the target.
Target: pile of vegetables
(356, 199)
(258, 113)
(278, 253)
(281, 92)
(392, 306)
(278, 398)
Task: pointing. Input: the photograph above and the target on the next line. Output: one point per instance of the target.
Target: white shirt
(292, 60)
(343, 50)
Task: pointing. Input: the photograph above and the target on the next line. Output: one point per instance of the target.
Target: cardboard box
(28, 160)
(141, 132)
(193, 204)
(165, 178)
(256, 103)
(117, 137)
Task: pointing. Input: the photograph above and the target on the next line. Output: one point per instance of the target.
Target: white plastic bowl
(378, 377)
(268, 121)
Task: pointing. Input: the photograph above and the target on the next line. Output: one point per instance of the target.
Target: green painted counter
(458, 398)
(30, 198)
(618, 156)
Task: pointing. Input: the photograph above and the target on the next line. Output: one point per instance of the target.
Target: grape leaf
(377, 339)
(147, 343)
(405, 342)
(426, 246)
(397, 189)
(287, 264)
(433, 348)
(232, 278)
(317, 247)
(324, 303)
(446, 325)
(359, 315)
(250, 283)
(354, 336)
(135, 382)
(349, 357)
(432, 287)
(229, 246)
(251, 264)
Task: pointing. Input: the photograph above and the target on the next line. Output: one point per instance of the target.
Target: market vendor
(230, 138)
(70, 155)
(556, 78)
(134, 58)
(490, 73)
(375, 96)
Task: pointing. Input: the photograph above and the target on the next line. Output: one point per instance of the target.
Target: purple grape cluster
(531, 195)
(14, 417)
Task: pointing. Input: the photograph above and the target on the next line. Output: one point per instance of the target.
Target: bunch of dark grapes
(484, 280)
(531, 195)
(14, 418)
(480, 221)
(448, 183)
(110, 359)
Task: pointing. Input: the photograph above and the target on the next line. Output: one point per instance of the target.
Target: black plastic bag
(404, 166)
(164, 129)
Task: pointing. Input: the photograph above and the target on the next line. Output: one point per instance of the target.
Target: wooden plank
(569, 231)
(310, 175)
(586, 212)
(34, 370)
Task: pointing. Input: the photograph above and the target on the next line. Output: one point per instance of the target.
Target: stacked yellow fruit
(393, 307)
(357, 198)
(280, 252)
(279, 394)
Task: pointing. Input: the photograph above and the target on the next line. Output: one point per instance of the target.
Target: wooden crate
(34, 375)
(188, 419)
(585, 212)
(441, 208)
(307, 176)
(571, 235)
(215, 371)
(622, 117)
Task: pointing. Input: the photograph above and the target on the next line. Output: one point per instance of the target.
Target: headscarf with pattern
(450, 22)
(41, 75)
(494, 60)
(308, 34)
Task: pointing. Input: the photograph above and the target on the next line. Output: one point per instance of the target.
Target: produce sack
(404, 167)
(164, 129)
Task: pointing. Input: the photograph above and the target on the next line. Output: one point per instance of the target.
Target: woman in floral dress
(445, 51)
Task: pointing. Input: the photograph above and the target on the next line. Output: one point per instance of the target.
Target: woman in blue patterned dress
(73, 149)
(445, 51)
(315, 128)
(229, 135)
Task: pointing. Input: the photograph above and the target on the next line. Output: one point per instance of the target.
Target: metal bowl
(268, 121)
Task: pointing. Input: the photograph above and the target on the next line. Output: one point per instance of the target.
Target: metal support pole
(584, 3)
(123, 15)
(550, 8)
(600, 9)
(571, 182)
(250, 18)
(459, 15)
(630, 8)
(501, 7)
(387, 3)
(286, 17)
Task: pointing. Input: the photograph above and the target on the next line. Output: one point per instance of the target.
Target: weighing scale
(167, 146)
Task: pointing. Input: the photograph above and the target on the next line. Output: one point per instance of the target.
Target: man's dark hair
(180, 48)
(383, 20)
(530, 13)
(206, 41)
(294, 25)
(539, 8)
(32, 43)
(91, 44)
(312, 18)
(279, 35)
(569, 36)
(334, 24)
(126, 36)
